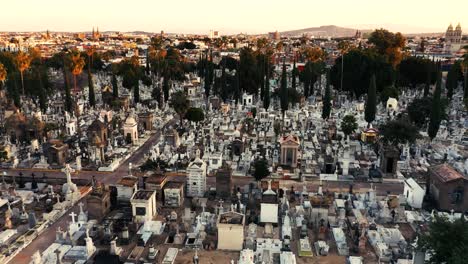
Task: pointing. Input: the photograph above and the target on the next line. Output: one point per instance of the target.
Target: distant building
(274, 35)
(214, 34)
(453, 39)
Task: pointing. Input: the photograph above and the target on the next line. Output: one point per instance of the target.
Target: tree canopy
(446, 241)
(349, 125)
(261, 169)
(359, 66)
(195, 114)
(399, 131)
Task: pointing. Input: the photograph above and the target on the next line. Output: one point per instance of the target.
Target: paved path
(43, 241)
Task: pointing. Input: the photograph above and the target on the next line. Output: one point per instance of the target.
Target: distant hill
(323, 31)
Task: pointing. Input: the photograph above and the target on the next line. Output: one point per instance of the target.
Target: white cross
(73, 216)
(81, 206)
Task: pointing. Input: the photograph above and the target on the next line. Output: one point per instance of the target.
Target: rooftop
(142, 195)
(231, 218)
(446, 173)
(127, 181)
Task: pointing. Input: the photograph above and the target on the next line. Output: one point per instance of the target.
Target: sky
(230, 16)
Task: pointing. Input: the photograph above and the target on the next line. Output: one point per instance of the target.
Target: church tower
(457, 34)
(449, 33)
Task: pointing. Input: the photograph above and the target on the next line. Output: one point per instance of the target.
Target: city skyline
(202, 16)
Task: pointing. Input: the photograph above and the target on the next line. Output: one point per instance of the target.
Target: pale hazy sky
(234, 16)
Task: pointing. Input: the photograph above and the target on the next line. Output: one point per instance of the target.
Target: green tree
(195, 114)
(266, 98)
(248, 71)
(413, 71)
(115, 87)
(447, 241)
(371, 102)
(92, 96)
(180, 103)
(261, 169)
(454, 76)
(348, 124)
(294, 75)
(327, 98)
(436, 111)
(284, 101)
(359, 66)
(399, 131)
(136, 92)
(166, 87)
(387, 92)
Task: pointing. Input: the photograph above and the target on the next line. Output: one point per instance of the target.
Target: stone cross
(81, 206)
(73, 216)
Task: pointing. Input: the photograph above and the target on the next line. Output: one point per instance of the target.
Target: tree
(399, 131)
(436, 111)
(3, 75)
(261, 169)
(348, 124)
(77, 64)
(413, 71)
(419, 110)
(180, 103)
(388, 44)
(248, 71)
(92, 97)
(284, 91)
(359, 66)
(166, 87)
(327, 105)
(266, 98)
(195, 114)
(447, 241)
(136, 92)
(387, 92)
(371, 102)
(293, 75)
(454, 76)
(22, 61)
(115, 87)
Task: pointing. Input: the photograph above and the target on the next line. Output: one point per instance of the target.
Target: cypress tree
(371, 103)
(266, 95)
(136, 92)
(294, 70)
(166, 88)
(428, 80)
(68, 100)
(284, 91)
(42, 94)
(435, 117)
(451, 83)
(327, 99)
(92, 97)
(306, 79)
(235, 85)
(207, 82)
(115, 87)
(465, 87)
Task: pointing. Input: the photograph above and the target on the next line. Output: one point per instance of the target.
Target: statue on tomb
(8, 223)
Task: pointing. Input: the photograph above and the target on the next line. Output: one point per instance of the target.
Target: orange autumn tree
(3, 75)
(22, 61)
(77, 64)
